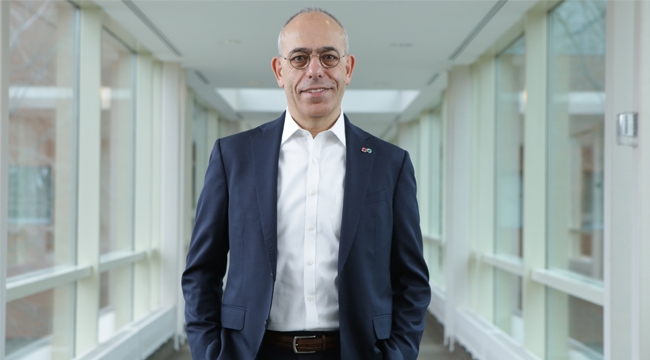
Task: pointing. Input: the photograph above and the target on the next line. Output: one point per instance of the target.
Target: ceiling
(400, 46)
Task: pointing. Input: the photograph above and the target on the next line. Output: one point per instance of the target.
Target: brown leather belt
(303, 344)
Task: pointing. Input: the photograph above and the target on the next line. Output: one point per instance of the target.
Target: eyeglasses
(328, 59)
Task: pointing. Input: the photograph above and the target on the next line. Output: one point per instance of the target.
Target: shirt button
(309, 298)
(312, 193)
(310, 262)
(314, 161)
(310, 228)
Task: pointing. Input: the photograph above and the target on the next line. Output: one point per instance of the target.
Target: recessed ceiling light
(401, 44)
(229, 42)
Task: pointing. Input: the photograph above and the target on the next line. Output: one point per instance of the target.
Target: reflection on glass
(508, 315)
(117, 154)
(42, 139)
(115, 301)
(510, 149)
(576, 119)
(40, 326)
(575, 328)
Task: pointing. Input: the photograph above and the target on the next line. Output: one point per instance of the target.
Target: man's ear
(349, 68)
(276, 64)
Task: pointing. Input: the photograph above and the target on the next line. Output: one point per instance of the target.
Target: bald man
(320, 220)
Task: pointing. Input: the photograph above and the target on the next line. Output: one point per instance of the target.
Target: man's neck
(317, 125)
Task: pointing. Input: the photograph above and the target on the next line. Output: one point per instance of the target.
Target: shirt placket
(311, 231)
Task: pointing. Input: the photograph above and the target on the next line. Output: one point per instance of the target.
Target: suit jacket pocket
(374, 197)
(232, 317)
(382, 325)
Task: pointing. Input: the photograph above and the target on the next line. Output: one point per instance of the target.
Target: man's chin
(316, 112)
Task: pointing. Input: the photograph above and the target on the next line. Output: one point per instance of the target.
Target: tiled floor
(432, 347)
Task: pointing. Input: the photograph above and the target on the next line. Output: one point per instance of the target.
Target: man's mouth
(315, 90)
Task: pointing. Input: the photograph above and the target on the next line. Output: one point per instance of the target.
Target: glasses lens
(299, 60)
(329, 58)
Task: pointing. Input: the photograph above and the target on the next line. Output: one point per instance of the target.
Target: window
(41, 223)
(576, 135)
(42, 140)
(576, 111)
(510, 82)
(117, 183)
(115, 309)
(508, 307)
(117, 153)
(40, 325)
(575, 327)
(510, 149)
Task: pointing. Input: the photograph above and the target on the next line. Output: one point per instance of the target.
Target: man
(321, 222)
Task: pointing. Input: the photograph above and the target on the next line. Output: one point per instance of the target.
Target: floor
(431, 348)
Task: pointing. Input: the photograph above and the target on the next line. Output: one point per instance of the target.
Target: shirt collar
(291, 126)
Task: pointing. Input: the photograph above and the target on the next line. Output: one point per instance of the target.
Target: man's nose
(315, 68)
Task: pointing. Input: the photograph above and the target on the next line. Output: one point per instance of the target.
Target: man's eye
(330, 57)
(299, 58)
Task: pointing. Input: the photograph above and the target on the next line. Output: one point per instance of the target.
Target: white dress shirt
(311, 171)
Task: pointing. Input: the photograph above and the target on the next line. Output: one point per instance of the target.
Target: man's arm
(202, 280)
(409, 273)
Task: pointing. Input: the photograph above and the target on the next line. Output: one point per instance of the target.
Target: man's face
(314, 92)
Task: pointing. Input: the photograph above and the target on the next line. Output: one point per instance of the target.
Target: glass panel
(510, 149)
(42, 136)
(576, 121)
(117, 156)
(40, 326)
(508, 315)
(436, 263)
(575, 328)
(115, 301)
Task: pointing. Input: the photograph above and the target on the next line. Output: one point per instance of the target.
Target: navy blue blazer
(383, 281)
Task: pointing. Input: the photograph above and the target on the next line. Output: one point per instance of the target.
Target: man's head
(314, 93)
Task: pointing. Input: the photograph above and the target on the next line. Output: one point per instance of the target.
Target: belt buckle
(295, 344)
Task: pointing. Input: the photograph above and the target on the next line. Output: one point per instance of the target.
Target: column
(143, 180)
(156, 185)
(535, 185)
(172, 190)
(457, 185)
(642, 68)
(621, 294)
(482, 275)
(65, 182)
(4, 162)
(89, 192)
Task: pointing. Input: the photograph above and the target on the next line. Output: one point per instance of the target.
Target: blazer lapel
(358, 170)
(265, 150)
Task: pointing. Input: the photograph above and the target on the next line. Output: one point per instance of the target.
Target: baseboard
(479, 337)
(138, 340)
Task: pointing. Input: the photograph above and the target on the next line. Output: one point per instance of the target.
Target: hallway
(432, 347)
(527, 127)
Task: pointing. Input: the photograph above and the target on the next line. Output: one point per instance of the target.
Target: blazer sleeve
(409, 273)
(202, 280)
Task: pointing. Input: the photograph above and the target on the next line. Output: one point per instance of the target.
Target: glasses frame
(320, 59)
